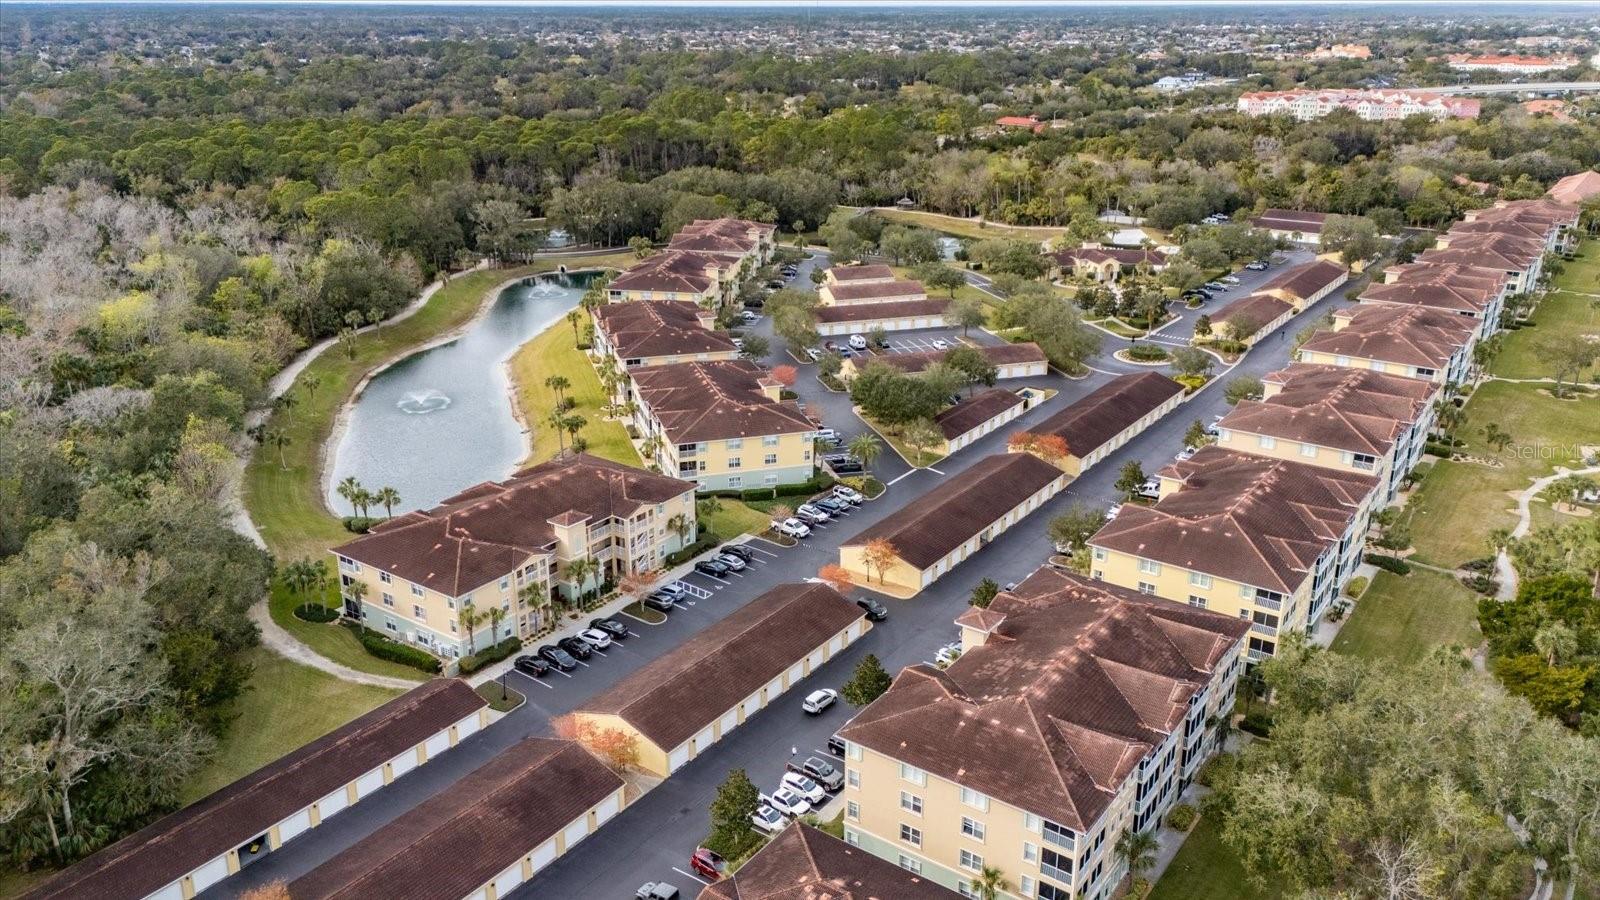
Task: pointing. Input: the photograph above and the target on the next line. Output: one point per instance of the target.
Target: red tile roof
(868, 272)
(647, 328)
(1253, 312)
(675, 271)
(870, 290)
(1108, 410)
(1356, 410)
(1077, 682)
(866, 312)
(1291, 220)
(804, 863)
(1306, 280)
(973, 411)
(998, 354)
(715, 400)
(1407, 335)
(1575, 188)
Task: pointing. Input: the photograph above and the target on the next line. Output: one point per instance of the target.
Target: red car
(707, 864)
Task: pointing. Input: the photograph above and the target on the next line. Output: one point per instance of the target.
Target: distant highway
(1532, 87)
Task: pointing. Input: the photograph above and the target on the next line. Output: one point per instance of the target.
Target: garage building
(196, 847)
(933, 534)
(481, 837)
(860, 318)
(1022, 360)
(1108, 417)
(685, 701)
(978, 415)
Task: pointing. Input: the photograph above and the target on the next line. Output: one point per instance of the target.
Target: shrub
(315, 612)
(1435, 448)
(1216, 770)
(1481, 564)
(832, 382)
(1228, 345)
(396, 652)
(1257, 723)
(1147, 353)
(1389, 564)
(490, 655)
(1356, 587)
(1419, 472)
(680, 557)
(1481, 583)
(1191, 383)
(1182, 817)
(359, 524)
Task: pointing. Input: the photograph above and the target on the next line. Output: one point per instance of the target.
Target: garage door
(796, 671)
(608, 807)
(854, 631)
(704, 739)
(751, 706)
(922, 323)
(210, 873)
(295, 825)
(508, 880)
(677, 759)
(173, 891)
(576, 832)
(333, 803)
(479, 894)
(815, 659)
(730, 720)
(438, 744)
(404, 763)
(835, 645)
(467, 727)
(369, 782)
(545, 855)
(774, 689)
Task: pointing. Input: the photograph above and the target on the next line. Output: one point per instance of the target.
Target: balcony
(1268, 630)
(1266, 601)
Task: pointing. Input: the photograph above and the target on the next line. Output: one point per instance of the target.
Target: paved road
(654, 836)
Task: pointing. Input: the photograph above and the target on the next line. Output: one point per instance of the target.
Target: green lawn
(1455, 509)
(332, 640)
(1205, 869)
(287, 706)
(1558, 313)
(965, 228)
(555, 352)
(1403, 617)
(732, 518)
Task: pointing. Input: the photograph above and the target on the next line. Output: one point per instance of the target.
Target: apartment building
(723, 424)
(1305, 284)
(681, 703)
(1077, 711)
(706, 279)
(1263, 539)
(1371, 105)
(1295, 225)
(1099, 422)
(658, 333)
(806, 863)
(1573, 189)
(1521, 259)
(1557, 220)
(958, 517)
(1511, 64)
(1413, 341)
(978, 415)
(509, 545)
(749, 244)
(1102, 263)
(1342, 418)
(1475, 292)
(1250, 318)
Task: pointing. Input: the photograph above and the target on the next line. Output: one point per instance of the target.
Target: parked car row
(804, 787)
(817, 511)
(565, 653)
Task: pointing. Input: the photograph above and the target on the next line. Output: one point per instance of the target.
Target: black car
(739, 550)
(531, 665)
(558, 657)
(610, 626)
(836, 745)
(754, 303)
(577, 646)
(831, 505)
(711, 567)
(659, 602)
(876, 612)
(846, 467)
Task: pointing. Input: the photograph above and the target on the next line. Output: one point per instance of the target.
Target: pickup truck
(820, 771)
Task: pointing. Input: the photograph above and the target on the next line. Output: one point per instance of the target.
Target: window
(1031, 822)
(911, 803)
(1424, 373)
(388, 599)
(851, 838)
(1030, 852)
(452, 626)
(852, 810)
(1200, 579)
(852, 750)
(910, 864)
(735, 462)
(1266, 441)
(418, 611)
(972, 828)
(1197, 601)
(1055, 865)
(771, 459)
(912, 836)
(913, 774)
(1026, 887)
(970, 861)
(1099, 553)
(974, 799)
(1146, 587)
(417, 591)
(733, 443)
(735, 481)
(390, 626)
(770, 440)
(386, 578)
(1149, 567)
(1308, 450)
(1048, 891)
(505, 583)
(852, 777)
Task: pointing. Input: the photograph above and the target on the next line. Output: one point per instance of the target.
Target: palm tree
(650, 446)
(1137, 849)
(363, 501)
(866, 447)
(573, 425)
(990, 882)
(680, 525)
(559, 384)
(579, 571)
(279, 439)
(357, 591)
(388, 496)
(286, 401)
(311, 381)
(469, 617)
(497, 614)
(556, 420)
(349, 489)
(573, 317)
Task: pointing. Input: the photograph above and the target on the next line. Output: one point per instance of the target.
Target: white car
(848, 494)
(738, 343)
(941, 344)
(813, 354)
(1112, 513)
(1187, 453)
(947, 654)
(749, 315)
(731, 561)
(819, 700)
(768, 819)
(812, 514)
(596, 638)
(805, 787)
(787, 802)
(792, 527)
(1151, 489)
(857, 342)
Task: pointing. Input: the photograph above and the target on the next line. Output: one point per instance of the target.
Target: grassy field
(1403, 617)
(966, 228)
(332, 640)
(287, 706)
(1559, 313)
(1205, 869)
(554, 352)
(732, 518)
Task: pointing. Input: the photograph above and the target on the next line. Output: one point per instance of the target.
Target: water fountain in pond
(420, 403)
(544, 289)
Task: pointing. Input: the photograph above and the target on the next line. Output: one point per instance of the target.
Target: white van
(857, 342)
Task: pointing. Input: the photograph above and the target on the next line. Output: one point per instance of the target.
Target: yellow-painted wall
(1174, 583)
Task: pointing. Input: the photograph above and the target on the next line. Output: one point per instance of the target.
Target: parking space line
(597, 651)
(632, 633)
(690, 875)
(540, 682)
(561, 673)
(581, 663)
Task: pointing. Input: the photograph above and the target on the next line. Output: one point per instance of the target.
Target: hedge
(680, 557)
(1435, 448)
(476, 661)
(816, 485)
(1257, 723)
(1356, 587)
(396, 652)
(1149, 352)
(1228, 345)
(315, 612)
(360, 524)
(1389, 563)
(1182, 817)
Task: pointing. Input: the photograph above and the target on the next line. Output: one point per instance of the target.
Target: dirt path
(1502, 560)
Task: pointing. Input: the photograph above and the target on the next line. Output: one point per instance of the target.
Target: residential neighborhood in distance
(715, 452)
